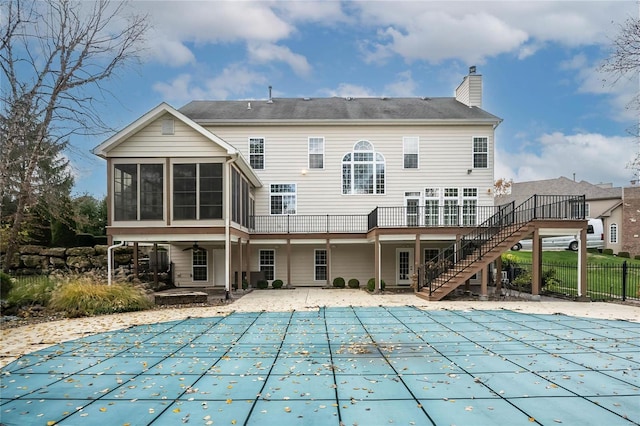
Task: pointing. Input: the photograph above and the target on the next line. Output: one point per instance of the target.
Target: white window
(411, 148)
(268, 264)
(283, 198)
(256, 153)
(431, 206)
(450, 207)
(320, 265)
(480, 153)
(316, 153)
(363, 170)
(199, 258)
(168, 126)
(469, 206)
(613, 233)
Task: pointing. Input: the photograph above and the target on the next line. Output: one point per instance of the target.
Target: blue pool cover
(336, 366)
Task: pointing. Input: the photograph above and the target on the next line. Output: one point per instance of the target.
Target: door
(404, 266)
(412, 207)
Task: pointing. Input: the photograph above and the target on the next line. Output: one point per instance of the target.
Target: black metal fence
(604, 281)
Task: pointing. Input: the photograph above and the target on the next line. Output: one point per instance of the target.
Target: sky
(540, 62)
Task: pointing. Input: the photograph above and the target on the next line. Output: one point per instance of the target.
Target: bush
(338, 282)
(277, 284)
(6, 284)
(371, 284)
(624, 254)
(245, 284)
(80, 297)
(262, 284)
(637, 257)
(354, 283)
(607, 251)
(32, 290)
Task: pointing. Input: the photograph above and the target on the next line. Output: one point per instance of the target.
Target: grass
(79, 297)
(31, 291)
(76, 296)
(604, 273)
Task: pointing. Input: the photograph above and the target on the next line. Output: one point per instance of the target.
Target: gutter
(109, 257)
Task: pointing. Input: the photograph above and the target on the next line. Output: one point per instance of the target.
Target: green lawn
(604, 273)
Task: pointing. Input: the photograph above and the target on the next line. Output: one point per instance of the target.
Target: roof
(336, 109)
(520, 191)
(164, 108)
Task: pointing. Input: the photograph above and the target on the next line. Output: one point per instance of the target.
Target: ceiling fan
(194, 247)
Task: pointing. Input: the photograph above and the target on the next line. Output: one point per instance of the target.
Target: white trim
(473, 153)
(326, 264)
(612, 227)
(274, 262)
(264, 151)
(404, 152)
(309, 153)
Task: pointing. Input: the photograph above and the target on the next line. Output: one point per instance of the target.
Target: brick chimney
(469, 92)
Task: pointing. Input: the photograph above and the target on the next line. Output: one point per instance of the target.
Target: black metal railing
(433, 216)
(508, 220)
(297, 224)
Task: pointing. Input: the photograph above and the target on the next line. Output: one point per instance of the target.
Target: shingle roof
(520, 191)
(335, 109)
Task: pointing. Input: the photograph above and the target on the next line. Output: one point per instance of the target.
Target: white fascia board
(440, 237)
(167, 238)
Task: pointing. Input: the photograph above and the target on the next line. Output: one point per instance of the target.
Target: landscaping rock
(78, 262)
(34, 261)
(80, 251)
(54, 252)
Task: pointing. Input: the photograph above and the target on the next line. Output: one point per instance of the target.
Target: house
(602, 201)
(306, 190)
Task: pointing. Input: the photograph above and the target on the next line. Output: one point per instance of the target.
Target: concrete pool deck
(342, 357)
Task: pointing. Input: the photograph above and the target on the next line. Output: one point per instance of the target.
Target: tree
(624, 62)
(90, 214)
(53, 54)
(502, 187)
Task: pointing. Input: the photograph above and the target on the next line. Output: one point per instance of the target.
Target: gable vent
(168, 126)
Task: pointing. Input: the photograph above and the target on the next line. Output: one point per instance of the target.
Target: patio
(349, 365)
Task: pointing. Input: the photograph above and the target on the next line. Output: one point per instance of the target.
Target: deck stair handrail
(506, 222)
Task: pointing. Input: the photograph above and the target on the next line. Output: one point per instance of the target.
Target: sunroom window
(197, 191)
(138, 191)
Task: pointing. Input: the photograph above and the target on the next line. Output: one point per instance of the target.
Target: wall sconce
(469, 171)
(303, 172)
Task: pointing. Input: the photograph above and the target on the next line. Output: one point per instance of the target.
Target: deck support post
(536, 265)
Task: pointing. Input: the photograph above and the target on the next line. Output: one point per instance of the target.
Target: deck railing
(507, 220)
(381, 217)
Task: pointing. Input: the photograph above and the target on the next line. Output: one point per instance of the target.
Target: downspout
(109, 261)
(227, 226)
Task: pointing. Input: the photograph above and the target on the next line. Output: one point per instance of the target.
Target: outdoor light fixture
(469, 171)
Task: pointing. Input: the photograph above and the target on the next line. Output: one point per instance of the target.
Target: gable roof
(162, 109)
(337, 109)
(521, 191)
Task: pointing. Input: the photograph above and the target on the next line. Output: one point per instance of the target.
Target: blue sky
(539, 62)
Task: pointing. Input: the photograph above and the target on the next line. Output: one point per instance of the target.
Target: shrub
(354, 283)
(6, 284)
(245, 284)
(262, 284)
(338, 282)
(371, 284)
(624, 254)
(29, 291)
(277, 284)
(607, 251)
(78, 297)
(637, 257)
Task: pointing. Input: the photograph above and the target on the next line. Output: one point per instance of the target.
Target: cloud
(268, 52)
(592, 157)
(233, 82)
(345, 90)
(474, 31)
(404, 86)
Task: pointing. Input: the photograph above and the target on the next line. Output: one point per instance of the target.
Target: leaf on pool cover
(229, 401)
(103, 409)
(176, 410)
(531, 419)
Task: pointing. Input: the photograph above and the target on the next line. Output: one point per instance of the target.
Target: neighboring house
(303, 190)
(602, 201)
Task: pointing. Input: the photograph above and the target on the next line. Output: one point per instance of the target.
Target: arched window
(613, 233)
(363, 170)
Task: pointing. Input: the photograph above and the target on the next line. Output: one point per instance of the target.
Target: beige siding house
(306, 190)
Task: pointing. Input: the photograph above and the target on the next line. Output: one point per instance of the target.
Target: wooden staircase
(464, 270)
(475, 251)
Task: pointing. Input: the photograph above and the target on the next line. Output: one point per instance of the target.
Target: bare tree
(54, 54)
(502, 187)
(624, 62)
